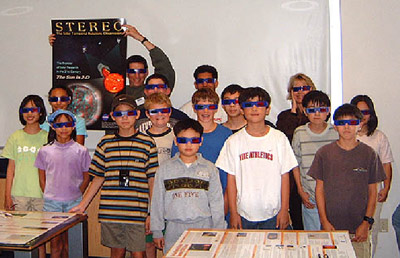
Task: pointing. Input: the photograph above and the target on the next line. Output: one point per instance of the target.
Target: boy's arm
(151, 185)
(320, 199)
(97, 182)
(305, 197)
(362, 230)
(216, 200)
(383, 193)
(159, 59)
(8, 203)
(42, 179)
(80, 139)
(282, 220)
(235, 220)
(85, 182)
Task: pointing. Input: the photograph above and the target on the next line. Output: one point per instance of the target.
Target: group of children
(164, 178)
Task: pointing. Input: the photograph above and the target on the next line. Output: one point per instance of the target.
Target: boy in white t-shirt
(257, 160)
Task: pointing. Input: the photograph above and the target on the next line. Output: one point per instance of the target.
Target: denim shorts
(60, 206)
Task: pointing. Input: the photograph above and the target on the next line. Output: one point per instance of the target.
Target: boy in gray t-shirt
(347, 172)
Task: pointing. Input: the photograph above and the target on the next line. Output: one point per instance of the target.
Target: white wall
(371, 63)
(252, 43)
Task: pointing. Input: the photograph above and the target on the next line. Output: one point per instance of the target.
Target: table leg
(78, 240)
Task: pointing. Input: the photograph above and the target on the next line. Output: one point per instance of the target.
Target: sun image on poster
(89, 58)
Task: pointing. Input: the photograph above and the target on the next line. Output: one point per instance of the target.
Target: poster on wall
(89, 58)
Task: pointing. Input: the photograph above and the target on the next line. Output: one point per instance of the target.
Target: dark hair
(232, 89)
(252, 92)
(38, 101)
(136, 59)
(317, 97)
(188, 124)
(347, 110)
(51, 137)
(205, 69)
(372, 123)
(157, 76)
(67, 90)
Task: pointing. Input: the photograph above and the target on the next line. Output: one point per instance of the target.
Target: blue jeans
(396, 224)
(311, 218)
(265, 224)
(60, 206)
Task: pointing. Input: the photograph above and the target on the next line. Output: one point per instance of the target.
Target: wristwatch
(370, 221)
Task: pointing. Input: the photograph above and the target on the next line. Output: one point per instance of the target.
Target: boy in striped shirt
(123, 166)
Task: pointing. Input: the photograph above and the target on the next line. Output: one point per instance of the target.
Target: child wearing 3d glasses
(187, 192)
(63, 165)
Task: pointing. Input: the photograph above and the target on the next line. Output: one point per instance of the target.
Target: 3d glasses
(303, 88)
(124, 113)
(193, 140)
(348, 122)
(206, 106)
(32, 110)
(155, 111)
(250, 104)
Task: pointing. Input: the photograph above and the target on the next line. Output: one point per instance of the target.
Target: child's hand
(236, 221)
(361, 232)
(305, 197)
(52, 38)
(327, 226)
(147, 225)
(77, 209)
(9, 204)
(282, 220)
(383, 194)
(159, 242)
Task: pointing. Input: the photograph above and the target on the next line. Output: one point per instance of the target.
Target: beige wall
(371, 64)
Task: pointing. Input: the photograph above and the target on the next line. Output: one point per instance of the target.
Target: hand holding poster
(89, 58)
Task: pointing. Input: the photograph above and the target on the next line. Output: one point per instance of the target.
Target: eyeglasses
(144, 70)
(227, 102)
(155, 111)
(193, 140)
(207, 80)
(250, 104)
(66, 124)
(61, 99)
(32, 110)
(303, 88)
(204, 106)
(153, 86)
(348, 122)
(365, 112)
(317, 109)
(124, 113)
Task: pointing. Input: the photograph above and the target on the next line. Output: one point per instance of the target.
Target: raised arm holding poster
(89, 57)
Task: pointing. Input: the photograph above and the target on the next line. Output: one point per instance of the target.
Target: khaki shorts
(119, 235)
(362, 249)
(27, 203)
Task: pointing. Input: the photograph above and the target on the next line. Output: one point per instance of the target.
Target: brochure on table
(18, 228)
(232, 243)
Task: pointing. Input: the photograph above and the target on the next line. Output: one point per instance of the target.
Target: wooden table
(37, 228)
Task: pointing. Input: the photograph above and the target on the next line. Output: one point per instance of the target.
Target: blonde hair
(157, 98)
(299, 77)
(205, 94)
